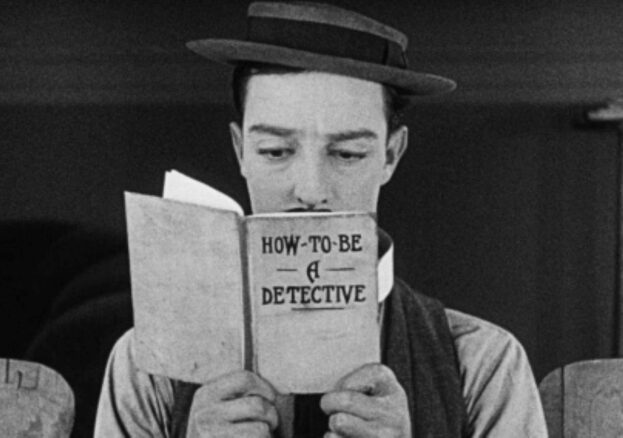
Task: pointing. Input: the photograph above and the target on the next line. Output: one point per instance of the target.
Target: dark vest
(418, 346)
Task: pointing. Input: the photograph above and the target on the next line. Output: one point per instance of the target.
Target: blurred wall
(502, 207)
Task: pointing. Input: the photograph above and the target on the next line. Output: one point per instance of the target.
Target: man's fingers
(252, 409)
(371, 379)
(347, 426)
(236, 404)
(250, 429)
(236, 384)
(368, 402)
(244, 409)
(350, 402)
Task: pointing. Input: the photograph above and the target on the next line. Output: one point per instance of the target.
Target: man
(318, 89)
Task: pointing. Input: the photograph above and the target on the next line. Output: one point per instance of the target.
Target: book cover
(312, 282)
(291, 296)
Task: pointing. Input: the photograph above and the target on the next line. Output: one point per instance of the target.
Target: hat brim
(408, 82)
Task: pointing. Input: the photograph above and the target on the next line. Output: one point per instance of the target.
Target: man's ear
(236, 140)
(396, 147)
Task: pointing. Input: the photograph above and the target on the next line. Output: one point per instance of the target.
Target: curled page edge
(180, 187)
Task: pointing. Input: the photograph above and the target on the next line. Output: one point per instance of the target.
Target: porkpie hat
(322, 37)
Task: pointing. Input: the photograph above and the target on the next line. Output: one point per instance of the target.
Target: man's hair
(393, 100)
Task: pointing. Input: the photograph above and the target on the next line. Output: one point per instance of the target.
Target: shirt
(498, 387)
(501, 396)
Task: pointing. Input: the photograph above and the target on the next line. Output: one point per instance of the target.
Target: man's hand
(369, 402)
(238, 404)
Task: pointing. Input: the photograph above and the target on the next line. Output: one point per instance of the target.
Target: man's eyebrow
(336, 137)
(352, 135)
(272, 130)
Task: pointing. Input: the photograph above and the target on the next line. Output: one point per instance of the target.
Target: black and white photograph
(311, 219)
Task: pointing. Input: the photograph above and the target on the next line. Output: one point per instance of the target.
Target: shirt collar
(385, 268)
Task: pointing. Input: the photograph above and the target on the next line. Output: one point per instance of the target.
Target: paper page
(187, 288)
(180, 187)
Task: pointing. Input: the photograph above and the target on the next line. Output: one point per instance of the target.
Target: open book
(292, 296)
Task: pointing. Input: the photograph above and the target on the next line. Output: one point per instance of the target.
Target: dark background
(503, 207)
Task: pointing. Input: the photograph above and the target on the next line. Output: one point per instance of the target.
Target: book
(291, 296)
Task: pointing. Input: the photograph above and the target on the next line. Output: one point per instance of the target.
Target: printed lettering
(292, 244)
(316, 299)
(279, 295)
(328, 289)
(305, 295)
(340, 294)
(320, 243)
(312, 271)
(349, 242)
(280, 244)
(358, 293)
(344, 242)
(356, 242)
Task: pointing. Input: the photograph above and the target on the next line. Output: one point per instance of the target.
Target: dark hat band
(326, 39)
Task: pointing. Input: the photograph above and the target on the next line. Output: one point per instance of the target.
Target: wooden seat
(584, 399)
(35, 401)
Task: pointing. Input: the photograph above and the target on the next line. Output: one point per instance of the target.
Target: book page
(187, 288)
(313, 287)
(186, 189)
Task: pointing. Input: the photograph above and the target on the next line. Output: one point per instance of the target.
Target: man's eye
(276, 154)
(348, 156)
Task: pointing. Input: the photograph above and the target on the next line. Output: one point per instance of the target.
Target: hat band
(326, 39)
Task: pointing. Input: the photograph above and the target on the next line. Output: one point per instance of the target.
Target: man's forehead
(305, 81)
(314, 97)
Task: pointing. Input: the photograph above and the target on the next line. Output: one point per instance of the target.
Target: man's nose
(311, 186)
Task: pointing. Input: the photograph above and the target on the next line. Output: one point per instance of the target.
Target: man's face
(315, 141)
